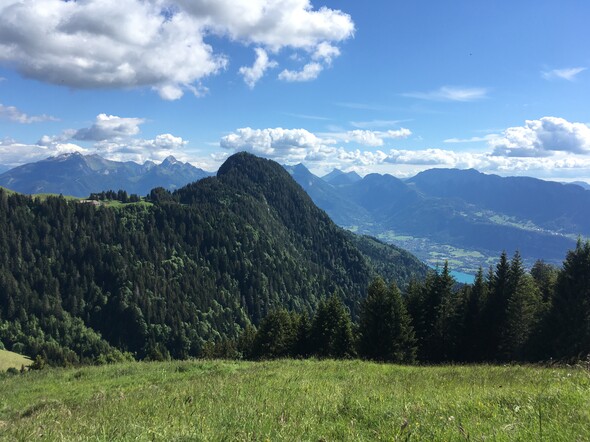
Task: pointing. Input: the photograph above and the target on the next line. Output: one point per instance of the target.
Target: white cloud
(13, 114)
(149, 43)
(14, 154)
(543, 137)
(325, 52)
(451, 93)
(368, 137)
(310, 71)
(568, 151)
(260, 66)
(283, 145)
(568, 74)
(107, 127)
(140, 150)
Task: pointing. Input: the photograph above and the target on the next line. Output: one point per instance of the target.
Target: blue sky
(381, 86)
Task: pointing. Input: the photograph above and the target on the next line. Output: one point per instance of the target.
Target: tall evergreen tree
(385, 332)
(522, 313)
(473, 330)
(569, 319)
(331, 330)
(276, 336)
(495, 310)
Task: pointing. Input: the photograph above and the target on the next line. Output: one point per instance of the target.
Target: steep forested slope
(79, 281)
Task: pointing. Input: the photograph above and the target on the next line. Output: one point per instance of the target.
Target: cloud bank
(550, 147)
(110, 136)
(151, 43)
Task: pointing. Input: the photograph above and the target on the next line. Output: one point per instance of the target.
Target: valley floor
(296, 400)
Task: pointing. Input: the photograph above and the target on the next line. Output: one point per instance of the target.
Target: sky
(381, 86)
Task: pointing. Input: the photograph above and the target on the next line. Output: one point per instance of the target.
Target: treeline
(111, 195)
(383, 332)
(507, 315)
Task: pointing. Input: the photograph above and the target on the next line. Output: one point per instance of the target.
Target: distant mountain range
(79, 175)
(464, 216)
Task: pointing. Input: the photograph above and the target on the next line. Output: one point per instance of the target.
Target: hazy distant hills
(462, 215)
(79, 175)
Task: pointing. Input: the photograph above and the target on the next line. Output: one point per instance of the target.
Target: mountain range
(79, 175)
(464, 216)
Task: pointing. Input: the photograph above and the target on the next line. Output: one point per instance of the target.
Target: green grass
(9, 359)
(296, 400)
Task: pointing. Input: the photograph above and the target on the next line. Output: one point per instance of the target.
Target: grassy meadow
(296, 400)
(9, 359)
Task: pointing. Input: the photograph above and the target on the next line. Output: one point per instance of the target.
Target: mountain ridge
(79, 175)
(465, 216)
(195, 265)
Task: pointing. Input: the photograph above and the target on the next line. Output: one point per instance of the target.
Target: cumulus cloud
(368, 137)
(451, 93)
(107, 127)
(110, 136)
(568, 74)
(13, 153)
(310, 71)
(284, 145)
(543, 137)
(564, 145)
(11, 113)
(149, 43)
(325, 52)
(140, 150)
(256, 71)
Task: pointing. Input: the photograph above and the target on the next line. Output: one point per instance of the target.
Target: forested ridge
(244, 265)
(86, 283)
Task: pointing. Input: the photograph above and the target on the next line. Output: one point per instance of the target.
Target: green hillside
(9, 359)
(296, 400)
(83, 283)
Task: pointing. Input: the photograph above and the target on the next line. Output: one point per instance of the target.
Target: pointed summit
(170, 160)
(339, 178)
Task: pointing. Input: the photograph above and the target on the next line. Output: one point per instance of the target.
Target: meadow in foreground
(296, 400)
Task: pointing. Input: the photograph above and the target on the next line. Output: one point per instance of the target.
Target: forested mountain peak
(195, 265)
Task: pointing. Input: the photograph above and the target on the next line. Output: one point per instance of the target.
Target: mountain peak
(338, 177)
(66, 156)
(170, 160)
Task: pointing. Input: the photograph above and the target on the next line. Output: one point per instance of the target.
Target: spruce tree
(385, 332)
(331, 330)
(495, 310)
(568, 325)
